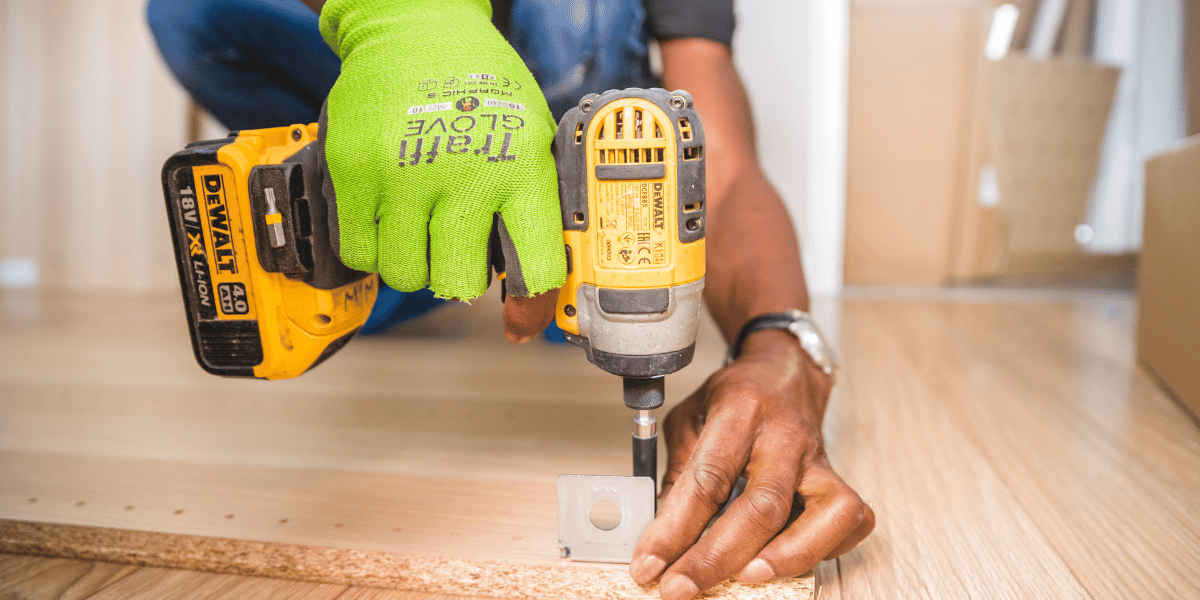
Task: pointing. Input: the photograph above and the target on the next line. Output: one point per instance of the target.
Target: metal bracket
(582, 496)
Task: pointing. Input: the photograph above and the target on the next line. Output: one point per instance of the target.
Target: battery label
(198, 273)
(632, 221)
(226, 252)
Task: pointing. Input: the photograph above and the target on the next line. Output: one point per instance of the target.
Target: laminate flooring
(1008, 442)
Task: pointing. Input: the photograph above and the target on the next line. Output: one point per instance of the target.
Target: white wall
(1143, 37)
(792, 58)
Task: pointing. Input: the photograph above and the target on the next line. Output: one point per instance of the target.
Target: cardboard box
(1046, 124)
(1168, 331)
(927, 112)
(913, 95)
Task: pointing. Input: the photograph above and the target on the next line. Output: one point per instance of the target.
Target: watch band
(799, 324)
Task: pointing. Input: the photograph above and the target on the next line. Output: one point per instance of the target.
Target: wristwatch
(799, 324)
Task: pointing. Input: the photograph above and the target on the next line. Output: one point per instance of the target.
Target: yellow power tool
(631, 184)
(265, 293)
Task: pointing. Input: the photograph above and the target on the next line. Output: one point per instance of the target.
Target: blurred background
(917, 142)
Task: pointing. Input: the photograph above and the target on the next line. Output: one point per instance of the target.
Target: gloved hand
(434, 126)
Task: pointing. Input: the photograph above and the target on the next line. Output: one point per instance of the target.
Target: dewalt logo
(221, 241)
(659, 210)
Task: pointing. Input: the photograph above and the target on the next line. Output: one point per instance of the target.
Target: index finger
(718, 458)
(750, 522)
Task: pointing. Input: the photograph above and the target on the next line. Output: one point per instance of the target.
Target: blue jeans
(262, 63)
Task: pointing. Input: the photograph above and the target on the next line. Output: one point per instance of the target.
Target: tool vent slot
(579, 133)
(303, 223)
(692, 153)
(685, 128)
(623, 137)
(296, 182)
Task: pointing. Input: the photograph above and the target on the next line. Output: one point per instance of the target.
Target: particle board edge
(494, 579)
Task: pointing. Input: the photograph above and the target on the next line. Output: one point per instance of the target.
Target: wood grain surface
(1007, 441)
(437, 445)
(39, 578)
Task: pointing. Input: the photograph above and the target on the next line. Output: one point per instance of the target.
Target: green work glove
(434, 126)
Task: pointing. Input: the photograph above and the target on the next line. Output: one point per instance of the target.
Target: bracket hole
(605, 514)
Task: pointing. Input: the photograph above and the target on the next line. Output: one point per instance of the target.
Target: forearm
(753, 264)
(314, 4)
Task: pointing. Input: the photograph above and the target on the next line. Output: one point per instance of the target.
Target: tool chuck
(643, 395)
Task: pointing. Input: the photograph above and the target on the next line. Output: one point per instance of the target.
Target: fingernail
(757, 571)
(677, 587)
(517, 339)
(647, 568)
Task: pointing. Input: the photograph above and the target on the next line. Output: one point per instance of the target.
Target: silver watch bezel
(813, 343)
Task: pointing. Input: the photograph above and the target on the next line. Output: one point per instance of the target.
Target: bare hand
(759, 418)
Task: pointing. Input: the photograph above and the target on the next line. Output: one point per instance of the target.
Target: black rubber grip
(644, 394)
(645, 458)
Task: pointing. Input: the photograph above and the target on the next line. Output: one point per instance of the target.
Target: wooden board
(440, 441)
(1008, 443)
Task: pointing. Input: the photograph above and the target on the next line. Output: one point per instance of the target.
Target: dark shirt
(665, 19)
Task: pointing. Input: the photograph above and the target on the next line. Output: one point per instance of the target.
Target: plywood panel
(439, 444)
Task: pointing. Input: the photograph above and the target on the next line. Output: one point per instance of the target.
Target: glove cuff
(347, 23)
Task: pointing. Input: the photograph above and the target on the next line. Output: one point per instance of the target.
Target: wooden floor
(1007, 441)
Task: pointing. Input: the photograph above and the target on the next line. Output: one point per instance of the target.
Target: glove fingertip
(536, 261)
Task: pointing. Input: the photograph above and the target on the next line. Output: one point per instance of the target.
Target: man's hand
(434, 126)
(759, 418)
